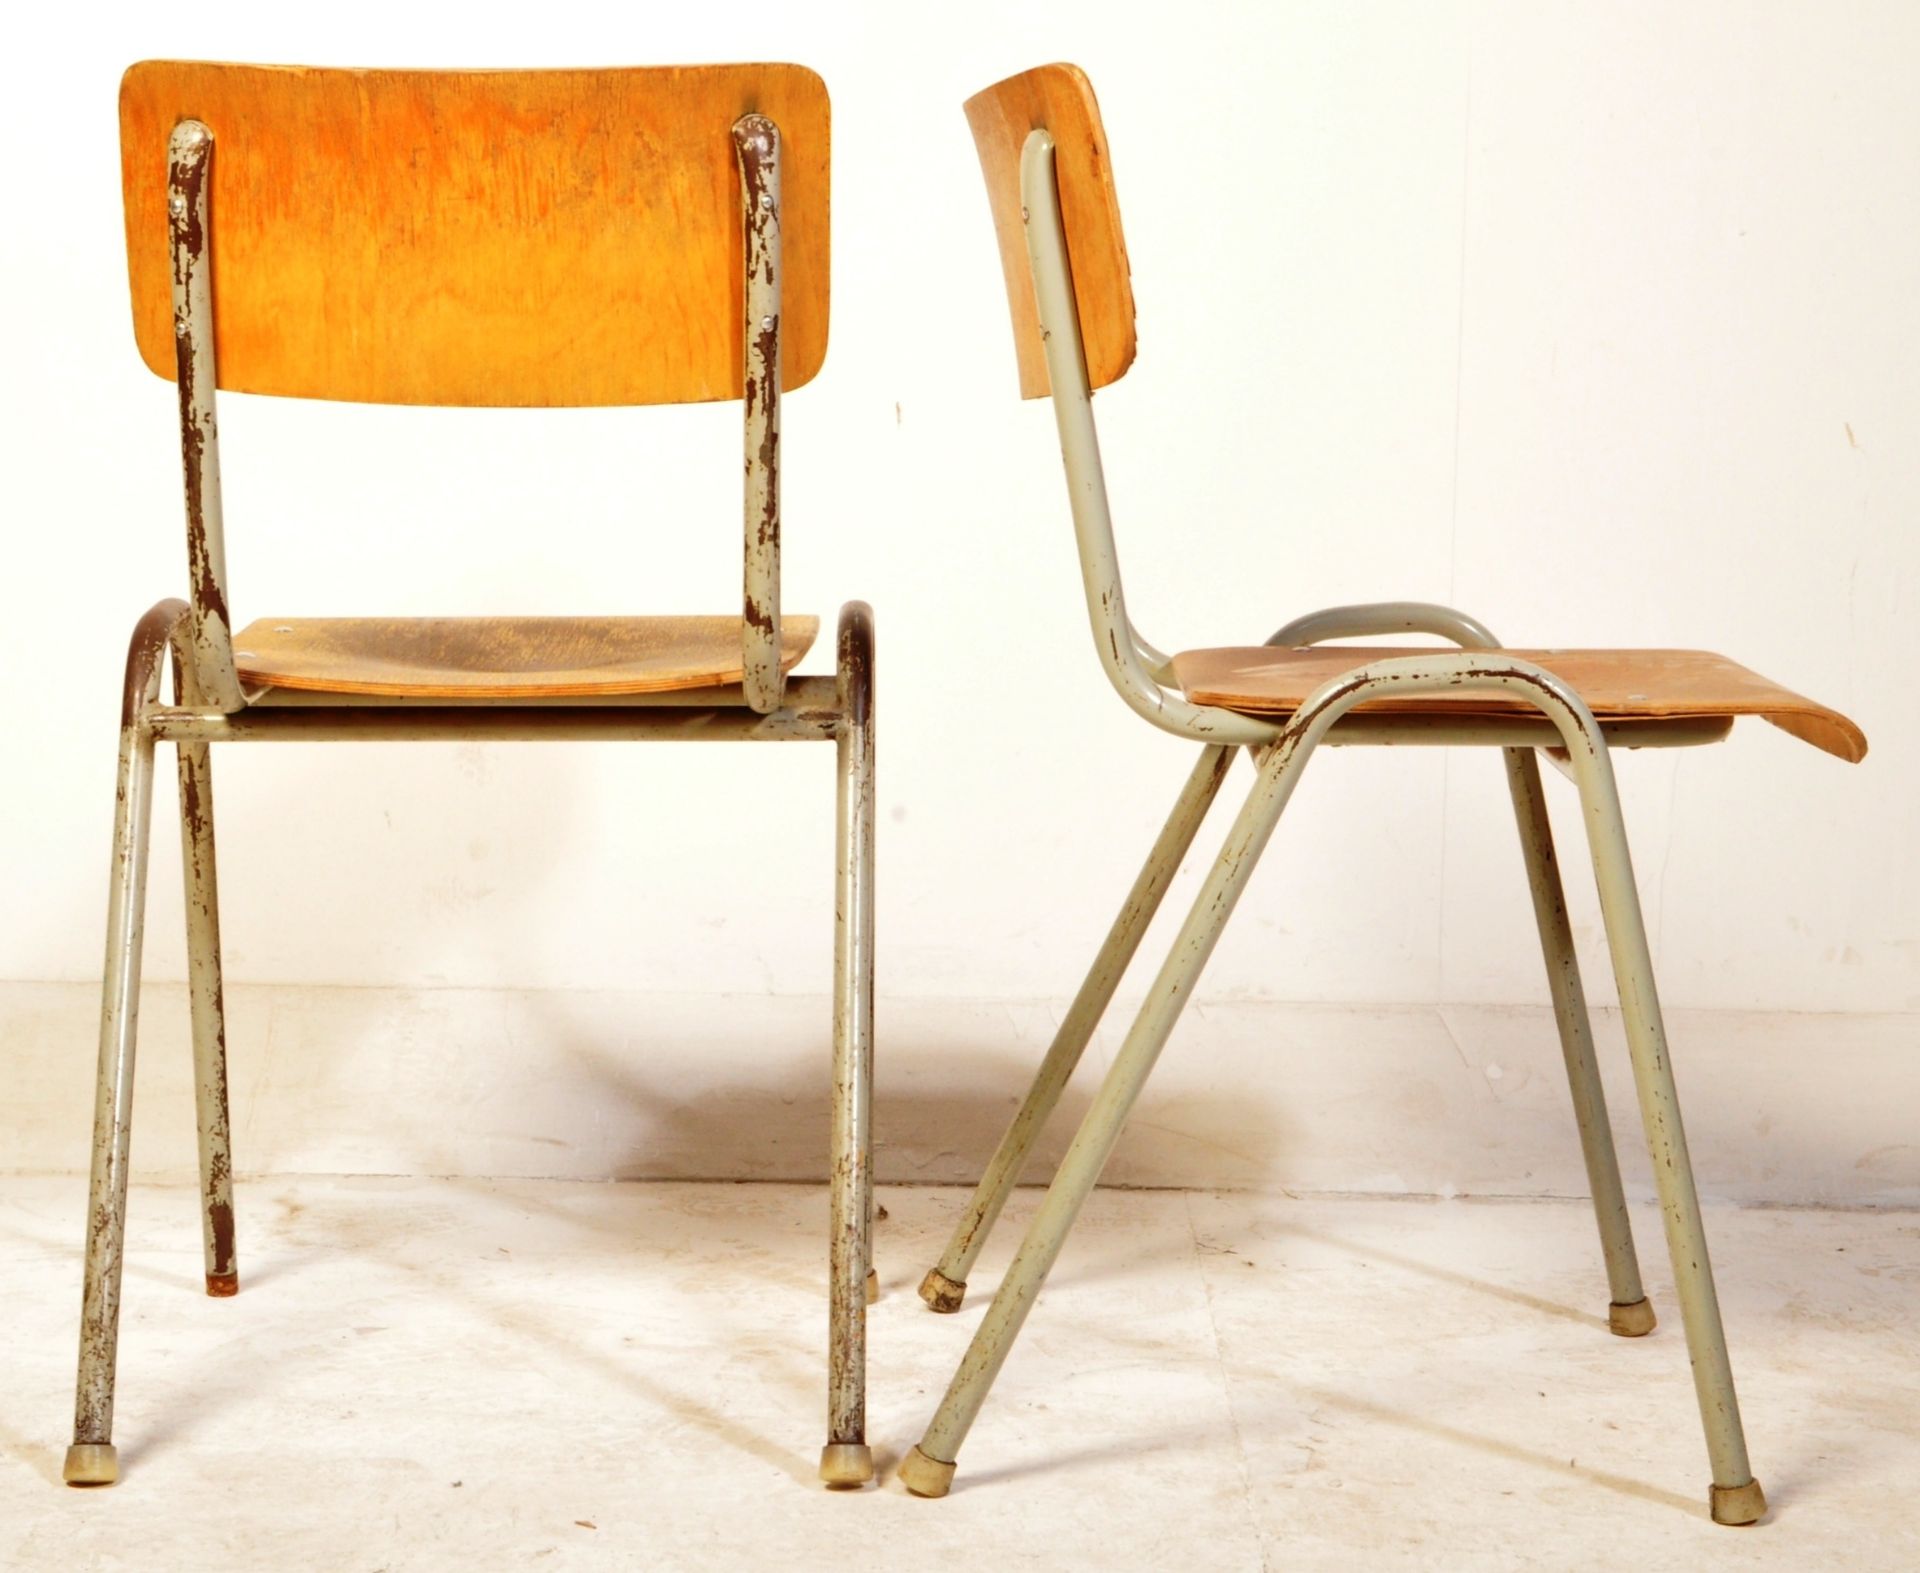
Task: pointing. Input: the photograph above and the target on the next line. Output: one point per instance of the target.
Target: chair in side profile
(1050, 184)
(527, 238)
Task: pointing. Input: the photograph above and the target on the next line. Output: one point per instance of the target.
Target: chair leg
(1736, 1497)
(945, 1286)
(928, 1470)
(846, 1460)
(209, 1018)
(1630, 1313)
(92, 1460)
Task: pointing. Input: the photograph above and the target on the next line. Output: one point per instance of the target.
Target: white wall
(1435, 1100)
(1600, 322)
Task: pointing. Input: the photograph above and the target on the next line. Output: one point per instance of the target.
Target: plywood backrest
(1059, 100)
(478, 237)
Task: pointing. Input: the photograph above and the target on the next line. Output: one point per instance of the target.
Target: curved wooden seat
(1617, 685)
(527, 658)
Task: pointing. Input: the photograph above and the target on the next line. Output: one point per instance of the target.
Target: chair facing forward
(1050, 184)
(530, 238)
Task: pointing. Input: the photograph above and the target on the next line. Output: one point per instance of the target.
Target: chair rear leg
(929, 1468)
(1735, 1497)
(945, 1286)
(209, 1018)
(92, 1460)
(1630, 1313)
(846, 1460)
(871, 1280)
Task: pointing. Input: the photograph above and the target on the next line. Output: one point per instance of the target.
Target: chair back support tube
(209, 672)
(756, 145)
(1119, 647)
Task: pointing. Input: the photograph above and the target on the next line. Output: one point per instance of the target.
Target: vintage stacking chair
(1051, 188)
(524, 238)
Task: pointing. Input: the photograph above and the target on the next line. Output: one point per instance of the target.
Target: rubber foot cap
(941, 1293)
(92, 1464)
(1738, 1504)
(924, 1476)
(223, 1286)
(845, 1464)
(873, 1287)
(1630, 1321)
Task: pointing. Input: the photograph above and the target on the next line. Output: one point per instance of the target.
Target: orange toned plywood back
(478, 237)
(1059, 100)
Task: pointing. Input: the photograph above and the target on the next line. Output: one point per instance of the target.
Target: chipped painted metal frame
(209, 706)
(1281, 750)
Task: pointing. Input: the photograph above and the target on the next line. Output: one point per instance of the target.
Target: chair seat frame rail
(1564, 728)
(209, 706)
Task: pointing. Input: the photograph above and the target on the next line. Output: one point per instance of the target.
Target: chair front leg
(928, 1470)
(92, 1460)
(1630, 1313)
(209, 1019)
(945, 1286)
(1735, 1497)
(846, 1460)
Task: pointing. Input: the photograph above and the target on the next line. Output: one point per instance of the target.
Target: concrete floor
(430, 1374)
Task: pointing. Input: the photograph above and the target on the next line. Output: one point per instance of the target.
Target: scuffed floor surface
(449, 1374)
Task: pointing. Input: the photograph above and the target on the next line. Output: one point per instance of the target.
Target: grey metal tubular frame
(1629, 1312)
(756, 144)
(846, 1459)
(807, 714)
(210, 632)
(208, 707)
(91, 1458)
(207, 1004)
(945, 1286)
(928, 1470)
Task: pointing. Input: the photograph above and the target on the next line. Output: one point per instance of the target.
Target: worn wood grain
(501, 657)
(1058, 99)
(1616, 685)
(478, 237)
